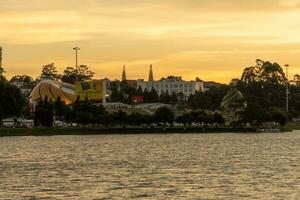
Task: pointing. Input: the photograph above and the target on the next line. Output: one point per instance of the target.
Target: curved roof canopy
(52, 90)
(233, 98)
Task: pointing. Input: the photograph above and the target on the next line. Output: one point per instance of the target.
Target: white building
(171, 84)
(8, 123)
(25, 123)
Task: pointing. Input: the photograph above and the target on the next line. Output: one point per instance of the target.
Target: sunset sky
(210, 39)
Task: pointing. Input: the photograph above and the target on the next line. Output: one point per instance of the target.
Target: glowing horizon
(210, 39)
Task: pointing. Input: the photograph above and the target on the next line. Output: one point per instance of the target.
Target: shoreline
(122, 131)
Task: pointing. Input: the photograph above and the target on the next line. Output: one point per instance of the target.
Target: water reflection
(172, 166)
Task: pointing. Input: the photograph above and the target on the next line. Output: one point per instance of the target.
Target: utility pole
(287, 88)
(1, 69)
(76, 49)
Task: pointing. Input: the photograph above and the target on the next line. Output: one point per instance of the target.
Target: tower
(124, 74)
(1, 69)
(0, 57)
(151, 74)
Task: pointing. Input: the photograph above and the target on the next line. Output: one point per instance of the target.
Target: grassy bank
(99, 131)
(291, 126)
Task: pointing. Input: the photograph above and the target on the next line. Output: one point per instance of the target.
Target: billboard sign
(90, 90)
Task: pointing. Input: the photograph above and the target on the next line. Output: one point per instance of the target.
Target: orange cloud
(188, 38)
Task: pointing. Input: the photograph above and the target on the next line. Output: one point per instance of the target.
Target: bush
(278, 116)
(164, 115)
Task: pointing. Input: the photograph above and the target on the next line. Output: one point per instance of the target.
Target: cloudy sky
(210, 39)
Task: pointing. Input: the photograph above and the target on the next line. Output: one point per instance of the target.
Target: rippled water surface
(171, 166)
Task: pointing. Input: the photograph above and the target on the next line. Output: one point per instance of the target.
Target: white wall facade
(172, 84)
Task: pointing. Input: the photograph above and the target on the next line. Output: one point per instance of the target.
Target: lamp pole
(287, 87)
(1, 69)
(76, 49)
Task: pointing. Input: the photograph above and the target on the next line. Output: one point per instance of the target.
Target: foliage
(49, 72)
(62, 111)
(199, 100)
(218, 118)
(2, 71)
(279, 116)
(210, 99)
(184, 119)
(200, 117)
(263, 87)
(122, 92)
(127, 92)
(44, 113)
(151, 96)
(174, 98)
(22, 79)
(164, 115)
(87, 113)
(139, 91)
(119, 118)
(83, 74)
(135, 119)
(11, 100)
(165, 98)
(296, 80)
(266, 72)
(255, 113)
(116, 94)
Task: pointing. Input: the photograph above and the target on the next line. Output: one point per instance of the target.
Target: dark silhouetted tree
(83, 74)
(11, 100)
(49, 72)
(164, 115)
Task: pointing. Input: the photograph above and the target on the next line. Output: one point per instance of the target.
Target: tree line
(11, 100)
(263, 86)
(85, 113)
(49, 71)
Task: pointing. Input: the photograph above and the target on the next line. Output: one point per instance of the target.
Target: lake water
(171, 166)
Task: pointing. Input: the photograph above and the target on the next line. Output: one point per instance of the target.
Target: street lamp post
(76, 49)
(287, 88)
(1, 69)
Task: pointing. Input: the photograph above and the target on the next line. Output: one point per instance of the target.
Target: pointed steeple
(124, 74)
(151, 74)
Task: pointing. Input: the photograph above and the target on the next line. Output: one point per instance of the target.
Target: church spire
(151, 74)
(124, 74)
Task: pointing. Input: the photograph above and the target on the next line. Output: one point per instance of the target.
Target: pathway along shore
(107, 131)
